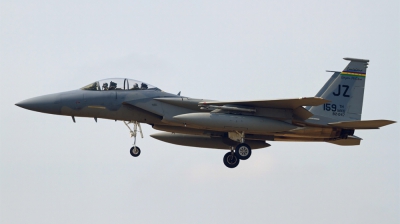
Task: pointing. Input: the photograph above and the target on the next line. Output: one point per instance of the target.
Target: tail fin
(346, 92)
(327, 84)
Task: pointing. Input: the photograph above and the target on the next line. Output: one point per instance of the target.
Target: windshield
(119, 84)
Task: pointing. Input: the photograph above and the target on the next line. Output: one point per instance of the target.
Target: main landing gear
(241, 152)
(135, 151)
(231, 160)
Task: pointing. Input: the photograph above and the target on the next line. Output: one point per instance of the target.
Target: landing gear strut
(135, 151)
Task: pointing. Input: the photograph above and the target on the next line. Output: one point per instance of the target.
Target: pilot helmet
(113, 84)
(143, 86)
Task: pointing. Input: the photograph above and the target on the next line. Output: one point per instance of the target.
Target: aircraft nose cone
(45, 104)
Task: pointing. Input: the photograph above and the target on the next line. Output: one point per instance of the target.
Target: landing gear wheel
(135, 151)
(243, 151)
(230, 160)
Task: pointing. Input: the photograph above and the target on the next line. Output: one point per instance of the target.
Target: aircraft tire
(243, 151)
(135, 153)
(230, 160)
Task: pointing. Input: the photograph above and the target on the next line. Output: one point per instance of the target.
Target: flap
(371, 124)
(281, 104)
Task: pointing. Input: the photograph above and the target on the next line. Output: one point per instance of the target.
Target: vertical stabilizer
(346, 93)
(327, 84)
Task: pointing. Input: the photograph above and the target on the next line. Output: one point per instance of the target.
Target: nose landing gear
(135, 151)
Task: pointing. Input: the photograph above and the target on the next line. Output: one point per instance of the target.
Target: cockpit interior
(119, 84)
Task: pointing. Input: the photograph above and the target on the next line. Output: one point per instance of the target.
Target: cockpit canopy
(119, 84)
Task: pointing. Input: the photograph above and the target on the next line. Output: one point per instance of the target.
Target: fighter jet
(331, 116)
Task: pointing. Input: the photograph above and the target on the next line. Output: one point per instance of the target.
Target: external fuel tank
(204, 141)
(232, 122)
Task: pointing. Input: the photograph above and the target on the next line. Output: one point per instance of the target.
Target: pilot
(135, 86)
(113, 85)
(105, 86)
(143, 86)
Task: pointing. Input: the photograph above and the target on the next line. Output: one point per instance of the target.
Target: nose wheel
(135, 151)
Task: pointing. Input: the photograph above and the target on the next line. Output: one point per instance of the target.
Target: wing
(281, 108)
(279, 104)
(270, 107)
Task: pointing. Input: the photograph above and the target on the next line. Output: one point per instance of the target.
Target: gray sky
(55, 171)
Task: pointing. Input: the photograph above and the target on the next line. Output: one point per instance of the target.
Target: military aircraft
(239, 126)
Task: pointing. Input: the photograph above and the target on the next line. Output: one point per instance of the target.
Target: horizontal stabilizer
(281, 104)
(371, 124)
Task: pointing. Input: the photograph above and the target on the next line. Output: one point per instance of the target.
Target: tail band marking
(353, 74)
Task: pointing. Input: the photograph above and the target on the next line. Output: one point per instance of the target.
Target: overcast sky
(55, 171)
